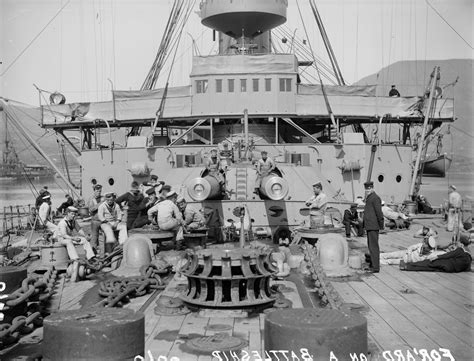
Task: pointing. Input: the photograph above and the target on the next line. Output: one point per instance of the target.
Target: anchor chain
(118, 290)
(33, 289)
(324, 288)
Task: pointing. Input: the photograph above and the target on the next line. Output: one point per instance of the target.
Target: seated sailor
(169, 216)
(44, 213)
(193, 216)
(351, 219)
(67, 228)
(147, 203)
(394, 219)
(110, 215)
(319, 200)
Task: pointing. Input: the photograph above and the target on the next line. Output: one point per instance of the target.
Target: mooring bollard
(320, 332)
(96, 334)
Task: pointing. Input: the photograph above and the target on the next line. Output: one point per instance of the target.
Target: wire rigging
(447, 23)
(34, 38)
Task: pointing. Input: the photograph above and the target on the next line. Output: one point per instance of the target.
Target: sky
(92, 44)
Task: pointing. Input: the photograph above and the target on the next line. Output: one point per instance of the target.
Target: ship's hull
(436, 167)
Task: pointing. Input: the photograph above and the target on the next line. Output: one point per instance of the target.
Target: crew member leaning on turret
(214, 167)
(265, 166)
(319, 199)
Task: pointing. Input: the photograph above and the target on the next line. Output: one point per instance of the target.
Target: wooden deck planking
(381, 333)
(421, 319)
(459, 282)
(193, 326)
(163, 336)
(73, 293)
(430, 280)
(430, 308)
(413, 282)
(398, 321)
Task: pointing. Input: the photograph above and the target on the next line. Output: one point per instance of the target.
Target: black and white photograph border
(226, 180)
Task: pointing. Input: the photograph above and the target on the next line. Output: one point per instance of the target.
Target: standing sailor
(373, 223)
(454, 208)
(132, 199)
(93, 205)
(265, 166)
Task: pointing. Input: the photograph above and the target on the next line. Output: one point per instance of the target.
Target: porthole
(111, 181)
(380, 178)
(398, 178)
(94, 181)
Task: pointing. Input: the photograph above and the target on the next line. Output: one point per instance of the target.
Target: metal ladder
(241, 183)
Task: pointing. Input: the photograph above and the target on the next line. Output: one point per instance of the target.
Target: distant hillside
(411, 78)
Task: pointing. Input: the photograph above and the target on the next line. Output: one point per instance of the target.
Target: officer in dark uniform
(394, 92)
(373, 223)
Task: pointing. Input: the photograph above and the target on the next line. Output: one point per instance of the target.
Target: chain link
(32, 289)
(324, 288)
(118, 290)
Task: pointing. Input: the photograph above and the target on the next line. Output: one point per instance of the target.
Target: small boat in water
(436, 166)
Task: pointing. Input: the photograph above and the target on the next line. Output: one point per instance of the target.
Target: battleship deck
(407, 311)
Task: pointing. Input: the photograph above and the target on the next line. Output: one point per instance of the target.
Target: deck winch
(228, 278)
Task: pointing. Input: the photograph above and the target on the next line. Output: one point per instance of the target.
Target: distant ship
(12, 168)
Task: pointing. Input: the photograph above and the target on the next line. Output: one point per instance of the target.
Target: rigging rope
(326, 100)
(453, 29)
(34, 38)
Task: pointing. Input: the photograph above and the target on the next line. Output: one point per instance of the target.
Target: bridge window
(255, 84)
(230, 85)
(285, 84)
(243, 85)
(218, 85)
(268, 84)
(201, 86)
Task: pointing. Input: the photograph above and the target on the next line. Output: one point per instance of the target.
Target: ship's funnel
(274, 187)
(200, 189)
(243, 18)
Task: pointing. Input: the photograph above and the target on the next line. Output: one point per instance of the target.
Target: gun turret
(274, 187)
(206, 188)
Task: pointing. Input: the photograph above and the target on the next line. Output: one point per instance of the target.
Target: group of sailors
(153, 202)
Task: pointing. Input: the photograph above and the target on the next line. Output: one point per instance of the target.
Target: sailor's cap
(171, 194)
(318, 184)
(150, 191)
(97, 187)
(369, 184)
(109, 195)
(72, 209)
